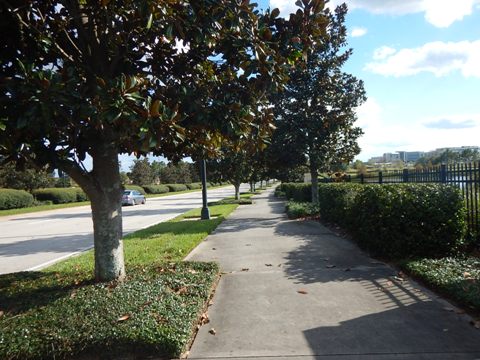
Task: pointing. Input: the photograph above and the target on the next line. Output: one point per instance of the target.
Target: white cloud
(382, 136)
(445, 13)
(438, 58)
(358, 31)
(440, 13)
(383, 52)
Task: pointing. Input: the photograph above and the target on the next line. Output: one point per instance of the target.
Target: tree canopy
(315, 115)
(174, 78)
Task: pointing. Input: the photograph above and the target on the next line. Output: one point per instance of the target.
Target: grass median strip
(60, 312)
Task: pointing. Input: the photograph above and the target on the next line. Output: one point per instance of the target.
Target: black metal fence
(465, 176)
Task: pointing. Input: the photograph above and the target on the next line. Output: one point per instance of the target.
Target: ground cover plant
(457, 278)
(297, 210)
(60, 312)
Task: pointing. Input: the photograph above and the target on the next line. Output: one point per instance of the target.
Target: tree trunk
(106, 202)
(237, 191)
(251, 186)
(314, 175)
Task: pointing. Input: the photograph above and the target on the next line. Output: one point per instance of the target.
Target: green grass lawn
(60, 312)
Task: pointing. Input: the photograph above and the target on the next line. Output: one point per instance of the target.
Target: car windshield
(126, 192)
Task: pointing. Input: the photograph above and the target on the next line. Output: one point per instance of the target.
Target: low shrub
(156, 189)
(457, 278)
(177, 187)
(297, 210)
(298, 192)
(81, 196)
(194, 186)
(336, 200)
(14, 199)
(56, 195)
(278, 192)
(409, 220)
(135, 187)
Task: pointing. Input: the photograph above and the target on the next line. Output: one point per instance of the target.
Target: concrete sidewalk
(295, 290)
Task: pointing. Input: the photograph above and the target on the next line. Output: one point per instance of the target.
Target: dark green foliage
(297, 210)
(56, 195)
(409, 220)
(299, 192)
(135, 187)
(336, 200)
(194, 186)
(27, 179)
(156, 189)
(53, 315)
(81, 196)
(14, 199)
(177, 187)
(141, 172)
(457, 278)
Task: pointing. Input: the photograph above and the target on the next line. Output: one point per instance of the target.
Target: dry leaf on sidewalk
(304, 292)
(212, 331)
(330, 266)
(245, 269)
(268, 265)
(475, 324)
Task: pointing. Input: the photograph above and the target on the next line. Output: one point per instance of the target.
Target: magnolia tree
(315, 116)
(100, 77)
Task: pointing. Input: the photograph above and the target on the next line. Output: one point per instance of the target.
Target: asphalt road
(33, 241)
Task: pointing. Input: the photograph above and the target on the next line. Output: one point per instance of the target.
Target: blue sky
(420, 60)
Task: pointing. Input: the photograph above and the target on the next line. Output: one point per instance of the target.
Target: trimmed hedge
(14, 199)
(409, 220)
(298, 192)
(194, 186)
(177, 187)
(156, 189)
(393, 221)
(336, 201)
(135, 187)
(81, 196)
(56, 195)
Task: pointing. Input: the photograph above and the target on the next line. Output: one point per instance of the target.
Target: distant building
(410, 156)
(391, 157)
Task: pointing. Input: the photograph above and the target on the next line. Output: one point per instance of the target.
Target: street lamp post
(205, 214)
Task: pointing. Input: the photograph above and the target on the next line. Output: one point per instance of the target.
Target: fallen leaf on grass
(181, 291)
(210, 303)
(212, 331)
(467, 275)
(304, 292)
(192, 271)
(123, 318)
(73, 294)
(330, 266)
(1, 313)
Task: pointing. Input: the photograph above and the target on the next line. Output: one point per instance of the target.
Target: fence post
(380, 177)
(405, 175)
(443, 174)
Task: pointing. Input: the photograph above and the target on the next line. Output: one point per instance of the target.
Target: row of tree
(144, 172)
(448, 157)
(206, 79)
